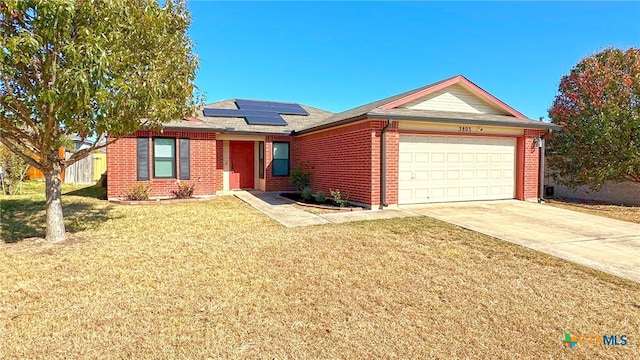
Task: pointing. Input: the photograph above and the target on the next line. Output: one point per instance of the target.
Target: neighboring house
(80, 143)
(448, 141)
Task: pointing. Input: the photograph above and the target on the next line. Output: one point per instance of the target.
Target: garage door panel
(405, 156)
(421, 157)
(496, 158)
(495, 174)
(467, 191)
(436, 168)
(404, 175)
(482, 174)
(437, 193)
(421, 175)
(482, 158)
(437, 175)
(496, 190)
(437, 157)
(405, 195)
(453, 158)
(467, 158)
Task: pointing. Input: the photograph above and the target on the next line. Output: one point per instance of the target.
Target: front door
(242, 158)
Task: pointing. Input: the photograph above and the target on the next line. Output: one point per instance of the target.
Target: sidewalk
(283, 211)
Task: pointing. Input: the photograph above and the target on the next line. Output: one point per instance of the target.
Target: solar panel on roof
(222, 112)
(257, 107)
(274, 120)
(259, 112)
(252, 103)
(289, 109)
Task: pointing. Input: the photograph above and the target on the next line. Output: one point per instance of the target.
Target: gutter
(383, 164)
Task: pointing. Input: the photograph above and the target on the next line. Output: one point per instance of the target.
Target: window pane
(280, 167)
(281, 150)
(163, 147)
(163, 168)
(261, 160)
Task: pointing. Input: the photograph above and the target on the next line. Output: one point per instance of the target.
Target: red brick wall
(342, 158)
(122, 164)
(219, 165)
(393, 154)
(393, 143)
(531, 164)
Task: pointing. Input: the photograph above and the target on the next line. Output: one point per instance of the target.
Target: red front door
(241, 176)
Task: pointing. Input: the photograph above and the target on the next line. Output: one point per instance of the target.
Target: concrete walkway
(279, 209)
(283, 211)
(605, 244)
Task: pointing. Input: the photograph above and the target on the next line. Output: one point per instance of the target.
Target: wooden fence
(87, 170)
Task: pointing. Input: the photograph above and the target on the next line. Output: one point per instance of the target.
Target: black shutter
(184, 159)
(143, 158)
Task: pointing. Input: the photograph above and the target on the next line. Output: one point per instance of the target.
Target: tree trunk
(55, 221)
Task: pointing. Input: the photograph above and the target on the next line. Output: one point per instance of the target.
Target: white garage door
(455, 168)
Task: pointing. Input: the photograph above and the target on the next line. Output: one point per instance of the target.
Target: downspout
(383, 164)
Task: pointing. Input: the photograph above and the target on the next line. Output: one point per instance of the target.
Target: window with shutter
(143, 159)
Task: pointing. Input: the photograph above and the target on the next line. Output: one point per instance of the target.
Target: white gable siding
(454, 98)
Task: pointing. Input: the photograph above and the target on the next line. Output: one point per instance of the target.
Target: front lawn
(218, 279)
(619, 212)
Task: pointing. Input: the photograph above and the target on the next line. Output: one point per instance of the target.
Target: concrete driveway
(609, 245)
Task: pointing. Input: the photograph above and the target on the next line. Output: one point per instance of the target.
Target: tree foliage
(90, 68)
(13, 170)
(598, 104)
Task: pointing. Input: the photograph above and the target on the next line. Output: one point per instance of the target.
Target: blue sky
(339, 55)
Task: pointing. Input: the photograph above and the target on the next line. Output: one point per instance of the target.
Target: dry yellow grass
(620, 212)
(219, 280)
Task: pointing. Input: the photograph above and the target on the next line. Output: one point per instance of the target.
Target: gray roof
(239, 125)
(374, 110)
(361, 111)
(320, 119)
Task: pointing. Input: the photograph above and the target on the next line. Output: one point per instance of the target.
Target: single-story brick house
(447, 141)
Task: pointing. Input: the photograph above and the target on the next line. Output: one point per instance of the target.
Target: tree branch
(28, 159)
(17, 131)
(20, 106)
(78, 155)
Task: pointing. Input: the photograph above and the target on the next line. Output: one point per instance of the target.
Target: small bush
(339, 198)
(138, 191)
(321, 197)
(307, 194)
(300, 177)
(185, 190)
